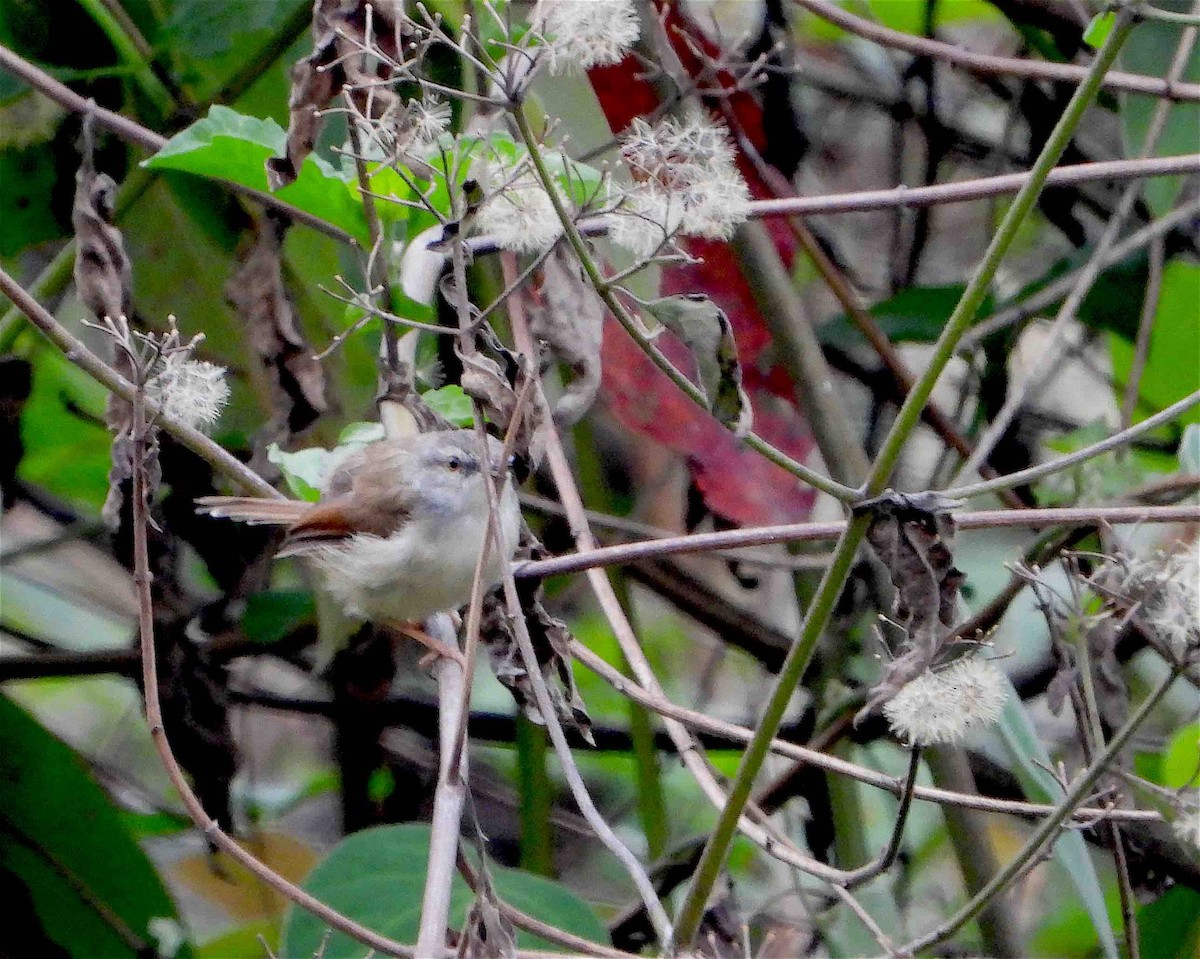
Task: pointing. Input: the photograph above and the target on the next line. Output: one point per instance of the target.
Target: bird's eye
(455, 464)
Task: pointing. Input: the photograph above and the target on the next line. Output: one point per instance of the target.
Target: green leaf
(272, 615)
(1181, 761)
(914, 315)
(66, 453)
(452, 403)
(377, 877)
(360, 434)
(704, 329)
(229, 146)
(1172, 371)
(1169, 927)
(61, 836)
(1098, 30)
(1031, 766)
(304, 470)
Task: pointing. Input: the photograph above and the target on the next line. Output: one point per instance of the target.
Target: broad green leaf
(229, 146)
(26, 212)
(377, 877)
(272, 615)
(360, 434)
(1169, 927)
(452, 403)
(914, 315)
(1098, 30)
(60, 833)
(66, 453)
(703, 328)
(1181, 760)
(1173, 364)
(1031, 765)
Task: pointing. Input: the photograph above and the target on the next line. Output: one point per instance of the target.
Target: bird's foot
(437, 649)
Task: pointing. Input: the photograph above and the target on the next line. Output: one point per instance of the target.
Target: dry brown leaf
(570, 321)
(912, 535)
(339, 30)
(487, 933)
(551, 643)
(256, 290)
(103, 275)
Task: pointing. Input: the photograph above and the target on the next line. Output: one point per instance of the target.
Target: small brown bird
(398, 529)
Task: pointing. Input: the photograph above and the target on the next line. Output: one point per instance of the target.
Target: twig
(866, 919)
(75, 351)
(1141, 343)
(133, 132)
(449, 797)
(1120, 438)
(988, 65)
(654, 908)
(1054, 291)
(810, 532)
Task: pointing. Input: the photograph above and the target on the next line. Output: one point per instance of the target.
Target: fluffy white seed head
(941, 707)
(1186, 826)
(1167, 585)
(686, 171)
(518, 213)
(581, 34)
(192, 392)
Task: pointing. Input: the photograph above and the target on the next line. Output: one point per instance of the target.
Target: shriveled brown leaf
(703, 328)
(316, 80)
(103, 274)
(721, 934)
(335, 64)
(256, 290)
(912, 535)
(487, 933)
(551, 643)
(570, 321)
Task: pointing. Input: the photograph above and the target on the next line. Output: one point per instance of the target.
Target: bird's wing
(257, 511)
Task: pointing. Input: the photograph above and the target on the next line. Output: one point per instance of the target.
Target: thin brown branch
(133, 132)
(990, 65)
(809, 532)
(90, 363)
(893, 784)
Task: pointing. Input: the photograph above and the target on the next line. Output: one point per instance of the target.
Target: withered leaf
(551, 643)
(487, 934)
(256, 290)
(339, 30)
(913, 538)
(912, 535)
(316, 80)
(570, 321)
(103, 274)
(704, 329)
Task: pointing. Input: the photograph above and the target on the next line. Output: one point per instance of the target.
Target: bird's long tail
(257, 511)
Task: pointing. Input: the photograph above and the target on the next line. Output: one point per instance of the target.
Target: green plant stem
(713, 858)
(537, 844)
(973, 849)
(132, 53)
(633, 328)
(1046, 829)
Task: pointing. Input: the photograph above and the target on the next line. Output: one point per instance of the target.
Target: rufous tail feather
(248, 509)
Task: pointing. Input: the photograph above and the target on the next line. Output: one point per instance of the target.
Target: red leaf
(738, 483)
